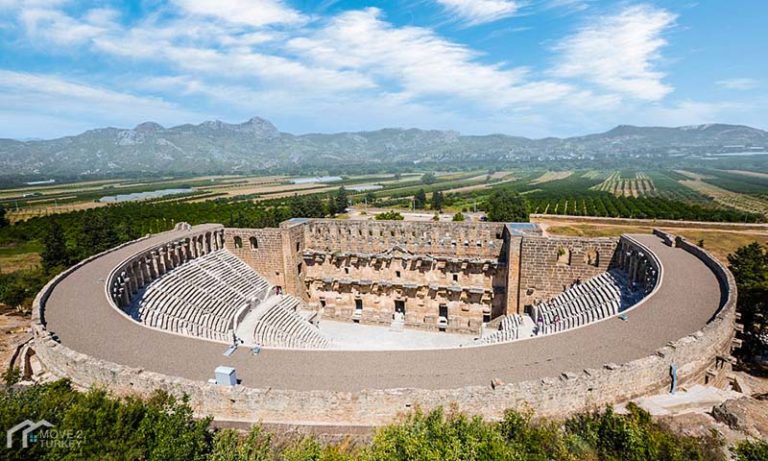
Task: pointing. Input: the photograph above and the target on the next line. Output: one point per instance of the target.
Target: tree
(3, 219)
(389, 216)
(458, 217)
(55, 252)
(505, 205)
(97, 235)
(342, 201)
(331, 207)
(749, 265)
(314, 207)
(428, 178)
(420, 200)
(370, 198)
(437, 200)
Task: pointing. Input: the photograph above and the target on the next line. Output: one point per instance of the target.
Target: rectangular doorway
(400, 307)
(444, 310)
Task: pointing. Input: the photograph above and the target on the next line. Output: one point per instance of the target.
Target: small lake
(315, 179)
(143, 195)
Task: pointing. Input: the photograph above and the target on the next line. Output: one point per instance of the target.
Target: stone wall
(342, 283)
(433, 269)
(434, 238)
(548, 265)
(556, 397)
(294, 244)
(262, 249)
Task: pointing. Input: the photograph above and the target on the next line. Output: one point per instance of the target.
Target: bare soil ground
(13, 326)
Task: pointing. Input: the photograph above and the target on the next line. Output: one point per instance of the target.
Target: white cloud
(619, 52)
(53, 25)
(250, 12)
(419, 62)
(480, 11)
(40, 95)
(739, 83)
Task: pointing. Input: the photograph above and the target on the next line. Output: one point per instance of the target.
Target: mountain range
(256, 144)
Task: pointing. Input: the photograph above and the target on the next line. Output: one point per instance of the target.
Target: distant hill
(257, 144)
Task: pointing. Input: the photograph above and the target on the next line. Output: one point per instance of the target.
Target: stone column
(129, 277)
(142, 273)
(152, 262)
(160, 261)
(125, 298)
(168, 258)
(174, 252)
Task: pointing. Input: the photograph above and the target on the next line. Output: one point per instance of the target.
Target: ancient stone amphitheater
(351, 322)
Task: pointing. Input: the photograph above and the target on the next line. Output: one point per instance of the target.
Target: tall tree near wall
(420, 200)
(97, 234)
(342, 201)
(437, 200)
(55, 252)
(749, 265)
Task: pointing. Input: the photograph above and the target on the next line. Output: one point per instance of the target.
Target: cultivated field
(617, 184)
(754, 174)
(728, 198)
(551, 176)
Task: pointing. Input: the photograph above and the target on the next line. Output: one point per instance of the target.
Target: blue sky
(522, 67)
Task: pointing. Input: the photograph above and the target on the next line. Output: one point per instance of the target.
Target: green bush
(389, 216)
(752, 450)
(102, 426)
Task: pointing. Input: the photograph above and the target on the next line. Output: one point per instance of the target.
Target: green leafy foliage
(55, 253)
(429, 178)
(101, 426)
(437, 200)
(749, 265)
(389, 216)
(420, 200)
(458, 217)
(752, 450)
(504, 205)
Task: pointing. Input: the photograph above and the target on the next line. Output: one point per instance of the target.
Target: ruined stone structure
(435, 276)
(479, 271)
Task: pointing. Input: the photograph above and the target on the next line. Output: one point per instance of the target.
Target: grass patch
(720, 243)
(591, 230)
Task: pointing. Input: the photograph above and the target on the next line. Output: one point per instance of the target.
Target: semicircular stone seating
(601, 296)
(279, 324)
(201, 297)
